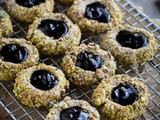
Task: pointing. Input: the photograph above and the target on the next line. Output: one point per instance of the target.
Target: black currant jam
(97, 11)
(132, 40)
(14, 53)
(29, 3)
(74, 113)
(53, 28)
(89, 61)
(124, 94)
(43, 80)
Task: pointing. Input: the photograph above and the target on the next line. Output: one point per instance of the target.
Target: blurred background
(150, 8)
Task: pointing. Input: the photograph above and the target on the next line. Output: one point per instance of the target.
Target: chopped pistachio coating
(26, 14)
(81, 77)
(49, 45)
(102, 97)
(126, 55)
(33, 97)
(8, 70)
(54, 113)
(77, 14)
(5, 24)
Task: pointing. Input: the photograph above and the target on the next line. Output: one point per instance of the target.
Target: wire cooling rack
(148, 71)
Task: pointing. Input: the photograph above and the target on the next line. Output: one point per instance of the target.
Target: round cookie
(53, 34)
(121, 97)
(87, 64)
(40, 85)
(96, 16)
(16, 55)
(5, 24)
(27, 10)
(69, 109)
(130, 45)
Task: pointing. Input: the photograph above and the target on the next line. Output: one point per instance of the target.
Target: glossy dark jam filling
(89, 61)
(43, 80)
(29, 3)
(74, 113)
(124, 94)
(132, 40)
(53, 28)
(97, 11)
(14, 53)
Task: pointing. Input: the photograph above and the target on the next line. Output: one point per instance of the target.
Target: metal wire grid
(148, 71)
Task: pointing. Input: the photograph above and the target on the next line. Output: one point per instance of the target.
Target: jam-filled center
(89, 61)
(43, 80)
(74, 113)
(132, 40)
(124, 94)
(14, 53)
(97, 11)
(53, 28)
(29, 3)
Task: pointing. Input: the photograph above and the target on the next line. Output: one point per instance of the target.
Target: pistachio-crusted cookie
(16, 55)
(28, 10)
(5, 24)
(40, 85)
(121, 97)
(70, 109)
(130, 45)
(53, 34)
(95, 16)
(88, 64)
